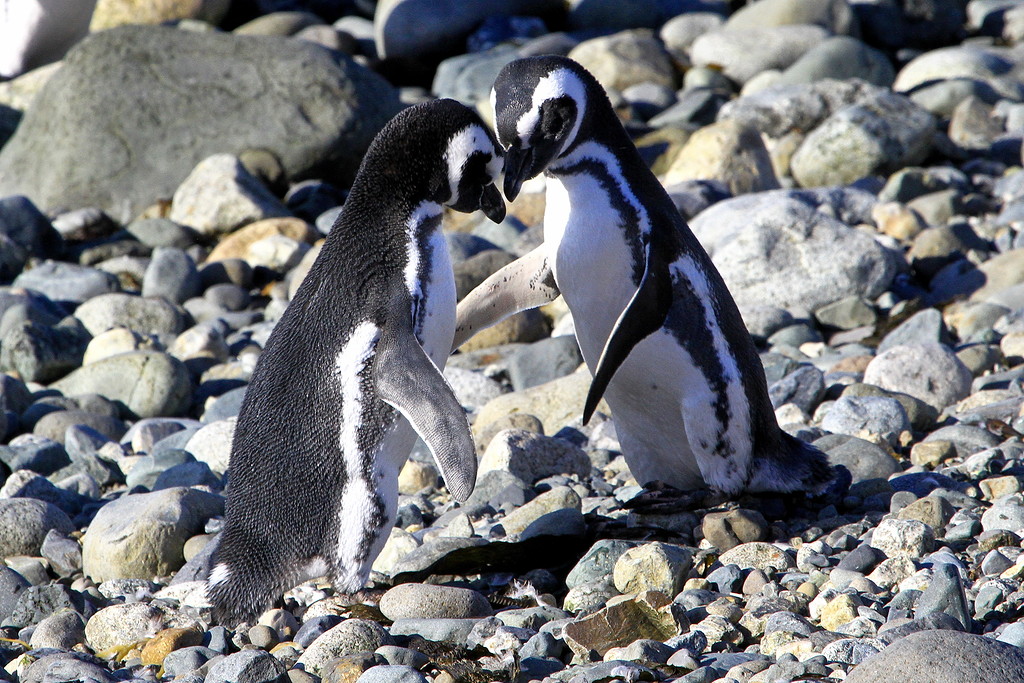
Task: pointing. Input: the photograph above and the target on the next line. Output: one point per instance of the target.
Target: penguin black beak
(492, 203)
(518, 164)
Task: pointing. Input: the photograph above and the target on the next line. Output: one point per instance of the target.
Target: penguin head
(472, 162)
(539, 103)
(438, 151)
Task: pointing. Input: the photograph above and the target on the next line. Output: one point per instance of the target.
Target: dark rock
(171, 274)
(37, 454)
(945, 593)
(543, 361)
(24, 232)
(804, 386)
(35, 603)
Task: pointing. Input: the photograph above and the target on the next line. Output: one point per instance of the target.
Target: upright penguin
(325, 425)
(654, 320)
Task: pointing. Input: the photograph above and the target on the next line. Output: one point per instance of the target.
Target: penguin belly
(662, 402)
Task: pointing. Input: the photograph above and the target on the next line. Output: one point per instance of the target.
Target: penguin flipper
(408, 381)
(644, 314)
(525, 283)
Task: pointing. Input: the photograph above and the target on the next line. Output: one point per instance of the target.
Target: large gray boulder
(783, 248)
(942, 657)
(134, 109)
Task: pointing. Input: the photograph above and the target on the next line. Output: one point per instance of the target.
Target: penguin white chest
(592, 261)
(437, 298)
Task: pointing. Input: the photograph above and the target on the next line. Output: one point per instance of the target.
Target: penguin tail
(797, 466)
(241, 586)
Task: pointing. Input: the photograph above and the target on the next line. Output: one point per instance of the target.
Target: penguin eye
(556, 119)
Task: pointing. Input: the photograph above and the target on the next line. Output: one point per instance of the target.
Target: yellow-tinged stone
(621, 621)
(932, 453)
(771, 643)
(801, 649)
(841, 610)
(997, 487)
(555, 403)
(236, 245)
(697, 584)
(529, 207)
(167, 641)
(663, 146)
(1016, 571)
(1012, 346)
(718, 630)
(891, 571)
(729, 151)
(416, 476)
(896, 220)
(525, 327)
(111, 13)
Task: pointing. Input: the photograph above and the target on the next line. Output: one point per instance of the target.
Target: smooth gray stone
(439, 630)
(945, 593)
(248, 666)
(171, 274)
(67, 666)
(737, 233)
(543, 361)
(468, 78)
(841, 58)
(180, 662)
(391, 673)
(804, 386)
(923, 327)
(38, 454)
(87, 143)
(864, 459)
(70, 282)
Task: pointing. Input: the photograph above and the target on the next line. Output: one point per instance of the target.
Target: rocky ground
(852, 168)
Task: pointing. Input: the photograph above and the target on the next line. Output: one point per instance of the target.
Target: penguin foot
(659, 498)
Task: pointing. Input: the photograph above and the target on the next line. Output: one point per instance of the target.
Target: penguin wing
(644, 314)
(525, 283)
(408, 381)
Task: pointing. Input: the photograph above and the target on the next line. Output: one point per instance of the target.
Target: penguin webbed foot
(659, 498)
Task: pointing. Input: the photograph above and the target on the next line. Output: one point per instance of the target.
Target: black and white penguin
(654, 319)
(350, 374)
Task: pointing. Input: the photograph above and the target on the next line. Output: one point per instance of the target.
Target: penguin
(657, 326)
(350, 374)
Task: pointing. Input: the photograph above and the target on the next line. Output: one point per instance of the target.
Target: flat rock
(743, 53)
(234, 93)
(421, 600)
(148, 316)
(122, 624)
(766, 246)
(627, 58)
(149, 383)
(728, 151)
(219, 196)
(938, 656)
